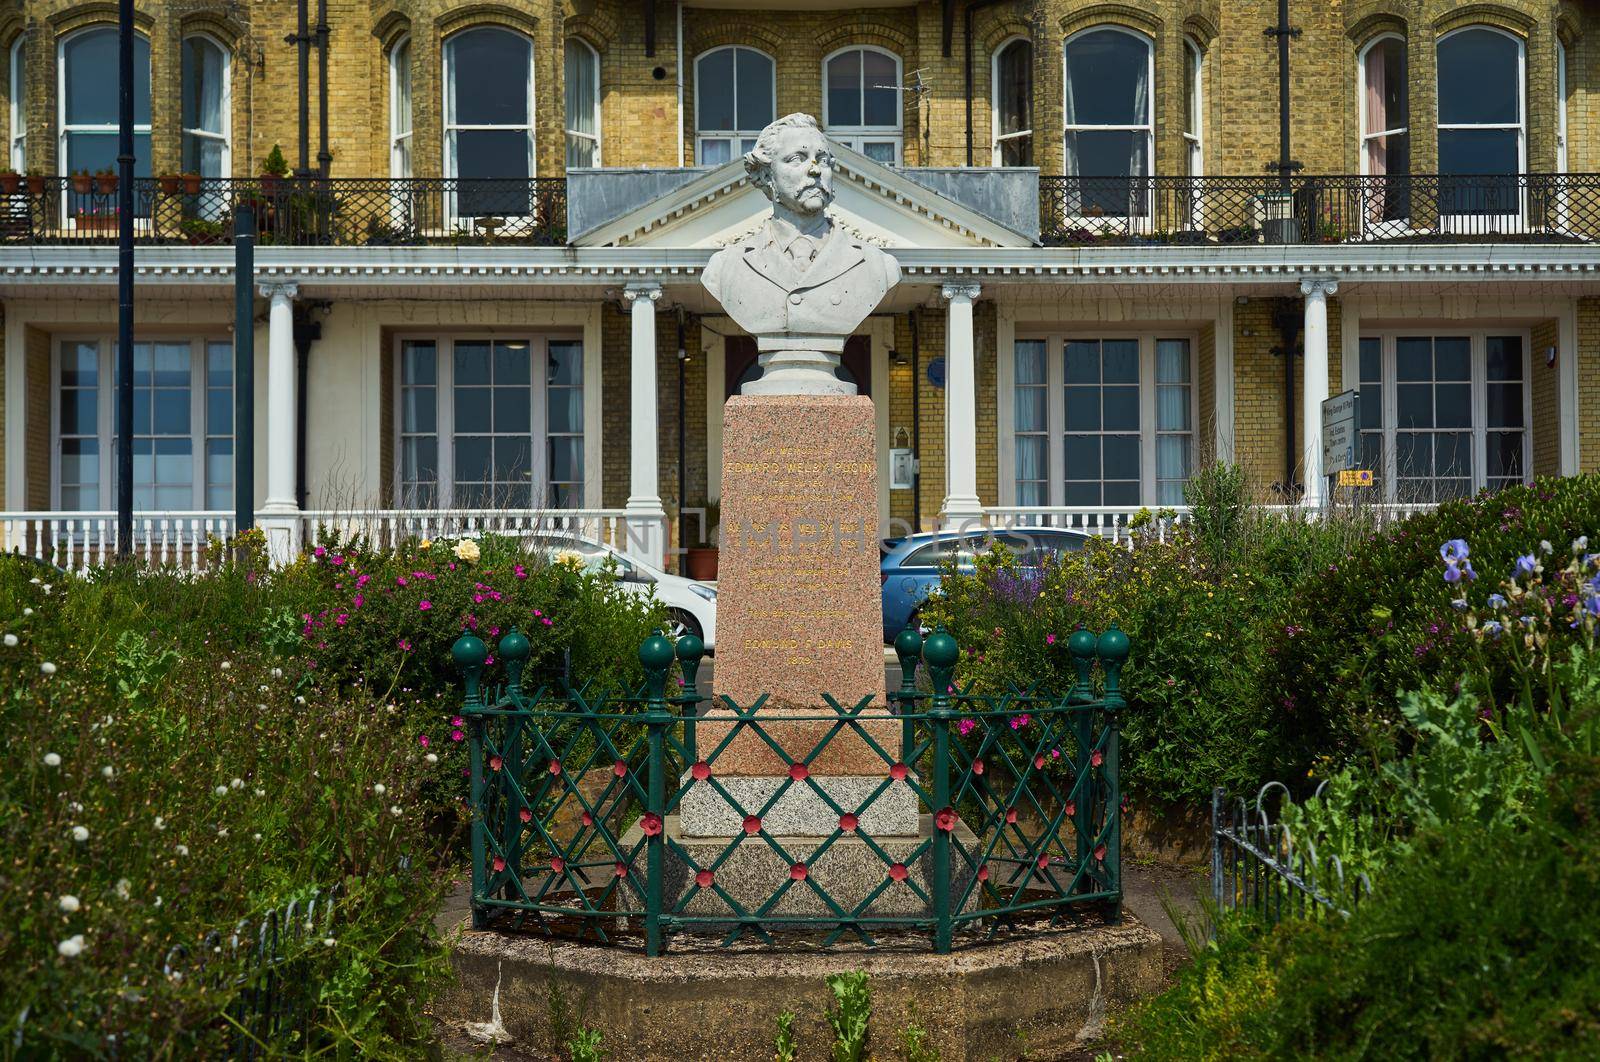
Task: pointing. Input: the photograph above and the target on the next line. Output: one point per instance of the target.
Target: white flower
(52, 759)
(222, 831)
(161, 823)
(11, 641)
(467, 550)
(258, 791)
(124, 887)
(329, 941)
(182, 849)
(221, 790)
(1545, 546)
(69, 904)
(300, 701)
(27, 612)
(75, 807)
(71, 947)
(48, 668)
(255, 837)
(261, 688)
(108, 770)
(432, 757)
(379, 789)
(35, 580)
(237, 783)
(225, 665)
(277, 672)
(47, 588)
(395, 810)
(1579, 544)
(159, 901)
(80, 834)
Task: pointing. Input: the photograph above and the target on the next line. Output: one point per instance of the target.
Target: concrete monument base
(801, 809)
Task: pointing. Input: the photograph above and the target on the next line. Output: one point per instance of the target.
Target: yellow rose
(467, 550)
(570, 556)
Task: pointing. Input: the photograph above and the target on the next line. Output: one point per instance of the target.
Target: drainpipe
(324, 156)
(1285, 164)
(306, 332)
(301, 38)
(1287, 317)
(916, 425)
(966, 17)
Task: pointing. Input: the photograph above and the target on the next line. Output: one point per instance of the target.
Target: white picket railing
(1117, 522)
(387, 528)
(78, 541)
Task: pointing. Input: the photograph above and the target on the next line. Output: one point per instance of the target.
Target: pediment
(876, 203)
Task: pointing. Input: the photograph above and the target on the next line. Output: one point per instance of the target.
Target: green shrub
(849, 1017)
(167, 778)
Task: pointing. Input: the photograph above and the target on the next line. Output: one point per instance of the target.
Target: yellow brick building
(488, 254)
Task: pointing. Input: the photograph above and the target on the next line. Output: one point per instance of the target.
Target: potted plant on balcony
(191, 183)
(105, 181)
(273, 170)
(83, 182)
(700, 561)
(35, 182)
(199, 231)
(169, 183)
(10, 181)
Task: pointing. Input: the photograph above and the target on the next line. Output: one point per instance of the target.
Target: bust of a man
(799, 284)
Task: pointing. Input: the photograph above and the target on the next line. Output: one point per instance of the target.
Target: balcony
(1407, 208)
(1074, 211)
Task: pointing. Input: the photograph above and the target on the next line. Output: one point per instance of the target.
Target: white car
(691, 606)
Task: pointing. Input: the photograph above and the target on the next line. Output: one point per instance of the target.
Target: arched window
(1109, 135)
(734, 93)
(1481, 121)
(1385, 110)
(861, 102)
(1012, 78)
(488, 123)
(583, 104)
(19, 104)
(205, 108)
(88, 107)
(1193, 104)
(400, 108)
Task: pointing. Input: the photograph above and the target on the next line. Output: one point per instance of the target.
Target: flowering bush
(168, 777)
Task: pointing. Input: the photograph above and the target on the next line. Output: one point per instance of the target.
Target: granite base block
(848, 872)
(801, 810)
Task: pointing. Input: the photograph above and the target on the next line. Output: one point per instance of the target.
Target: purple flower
(1494, 628)
(1455, 551)
(1497, 601)
(1452, 574)
(1527, 564)
(1459, 604)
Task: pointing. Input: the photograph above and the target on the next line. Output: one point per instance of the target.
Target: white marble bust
(799, 284)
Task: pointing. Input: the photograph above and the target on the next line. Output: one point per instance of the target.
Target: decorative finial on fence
(655, 655)
(940, 652)
(1113, 652)
(514, 650)
(469, 653)
(1082, 646)
(908, 647)
(690, 651)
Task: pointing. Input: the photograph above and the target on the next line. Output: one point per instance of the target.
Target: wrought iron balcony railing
(1074, 211)
(343, 212)
(1393, 208)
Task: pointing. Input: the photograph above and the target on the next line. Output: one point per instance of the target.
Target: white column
(961, 504)
(280, 513)
(647, 521)
(1315, 384)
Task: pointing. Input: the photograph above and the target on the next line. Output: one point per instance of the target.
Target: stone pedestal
(798, 615)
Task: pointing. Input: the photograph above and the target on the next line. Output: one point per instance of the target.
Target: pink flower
(342, 619)
(399, 580)
(358, 600)
(424, 606)
(320, 551)
(546, 621)
(423, 741)
(404, 644)
(1097, 759)
(336, 560)
(456, 735)
(1049, 639)
(477, 599)
(363, 581)
(458, 721)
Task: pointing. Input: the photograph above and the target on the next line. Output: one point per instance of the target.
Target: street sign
(1355, 477)
(1341, 424)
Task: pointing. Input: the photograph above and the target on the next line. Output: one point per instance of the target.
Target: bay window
(1109, 121)
(1102, 420)
(1444, 415)
(490, 422)
(1481, 122)
(734, 94)
(182, 424)
(489, 108)
(87, 95)
(861, 102)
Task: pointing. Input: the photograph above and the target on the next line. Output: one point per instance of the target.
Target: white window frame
(18, 104)
(994, 100)
(857, 137)
(225, 137)
(450, 129)
(1563, 213)
(1502, 222)
(65, 130)
(1132, 222)
(444, 414)
(401, 141)
(1477, 334)
(594, 57)
(1372, 219)
(1055, 385)
(106, 416)
(1194, 85)
(737, 136)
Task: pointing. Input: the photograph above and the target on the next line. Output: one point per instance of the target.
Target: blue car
(910, 566)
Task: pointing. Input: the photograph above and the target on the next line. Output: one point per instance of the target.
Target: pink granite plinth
(798, 599)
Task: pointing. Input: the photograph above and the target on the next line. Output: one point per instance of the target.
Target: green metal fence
(577, 794)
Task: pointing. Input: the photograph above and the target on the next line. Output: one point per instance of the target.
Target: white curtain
(582, 126)
(1070, 117)
(1141, 108)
